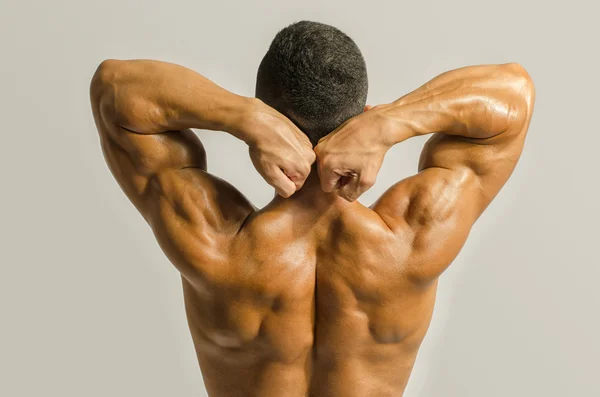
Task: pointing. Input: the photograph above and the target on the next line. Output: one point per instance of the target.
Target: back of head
(315, 75)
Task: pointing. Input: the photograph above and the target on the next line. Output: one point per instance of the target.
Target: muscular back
(324, 299)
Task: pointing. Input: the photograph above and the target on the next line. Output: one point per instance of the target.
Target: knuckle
(366, 181)
(309, 166)
(302, 167)
(320, 153)
(298, 171)
(305, 173)
(326, 163)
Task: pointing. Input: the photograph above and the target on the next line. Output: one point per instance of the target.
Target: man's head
(315, 75)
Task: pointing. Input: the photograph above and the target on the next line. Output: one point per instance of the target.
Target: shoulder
(426, 199)
(435, 195)
(431, 214)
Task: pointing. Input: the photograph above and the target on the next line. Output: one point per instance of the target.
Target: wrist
(392, 126)
(243, 121)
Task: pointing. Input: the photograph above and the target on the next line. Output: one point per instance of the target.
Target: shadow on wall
(506, 321)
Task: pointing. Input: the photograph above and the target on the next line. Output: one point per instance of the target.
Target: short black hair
(315, 75)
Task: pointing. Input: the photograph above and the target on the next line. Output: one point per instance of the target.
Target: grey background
(89, 306)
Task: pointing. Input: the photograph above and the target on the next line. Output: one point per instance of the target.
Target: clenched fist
(350, 157)
(280, 152)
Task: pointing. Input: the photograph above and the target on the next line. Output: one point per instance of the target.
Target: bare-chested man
(315, 294)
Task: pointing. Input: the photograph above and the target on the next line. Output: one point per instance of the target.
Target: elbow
(106, 71)
(102, 87)
(521, 92)
(521, 82)
(103, 79)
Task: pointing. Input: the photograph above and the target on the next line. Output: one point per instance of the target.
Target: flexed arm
(479, 117)
(139, 105)
(474, 112)
(144, 111)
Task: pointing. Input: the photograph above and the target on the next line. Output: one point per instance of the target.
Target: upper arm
(164, 176)
(484, 164)
(135, 151)
(457, 180)
(432, 213)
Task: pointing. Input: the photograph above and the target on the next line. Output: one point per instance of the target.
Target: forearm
(472, 102)
(150, 97)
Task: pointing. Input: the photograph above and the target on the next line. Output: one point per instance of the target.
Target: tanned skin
(315, 294)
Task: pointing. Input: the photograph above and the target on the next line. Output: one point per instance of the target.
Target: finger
(350, 191)
(357, 186)
(298, 173)
(305, 168)
(312, 157)
(284, 186)
(330, 180)
(298, 179)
